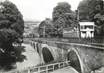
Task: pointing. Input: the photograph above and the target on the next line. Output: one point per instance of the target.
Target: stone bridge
(84, 58)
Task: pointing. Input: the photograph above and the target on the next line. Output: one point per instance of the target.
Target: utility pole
(44, 31)
(77, 14)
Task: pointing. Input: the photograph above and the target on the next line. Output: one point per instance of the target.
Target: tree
(88, 9)
(11, 27)
(99, 21)
(66, 20)
(45, 28)
(83, 10)
(63, 17)
(61, 8)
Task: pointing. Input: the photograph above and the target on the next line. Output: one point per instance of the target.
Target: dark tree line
(93, 10)
(11, 30)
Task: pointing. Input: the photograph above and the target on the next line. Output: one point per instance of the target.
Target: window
(84, 32)
(82, 27)
(90, 26)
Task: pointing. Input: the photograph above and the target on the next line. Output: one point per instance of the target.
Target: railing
(45, 68)
(100, 46)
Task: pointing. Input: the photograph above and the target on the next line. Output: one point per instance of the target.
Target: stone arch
(47, 55)
(75, 60)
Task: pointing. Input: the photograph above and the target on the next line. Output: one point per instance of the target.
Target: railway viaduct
(84, 58)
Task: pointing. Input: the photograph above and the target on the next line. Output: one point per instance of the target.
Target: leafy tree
(45, 28)
(11, 18)
(11, 26)
(61, 8)
(83, 10)
(99, 21)
(88, 9)
(63, 17)
(66, 20)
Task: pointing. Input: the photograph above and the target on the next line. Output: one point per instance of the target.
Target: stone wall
(92, 58)
(84, 58)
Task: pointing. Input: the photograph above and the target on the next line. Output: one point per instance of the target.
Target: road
(65, 70)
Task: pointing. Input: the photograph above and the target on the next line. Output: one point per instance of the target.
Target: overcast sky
(40, 9)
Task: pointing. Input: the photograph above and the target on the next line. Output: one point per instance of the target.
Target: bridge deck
(92, 45)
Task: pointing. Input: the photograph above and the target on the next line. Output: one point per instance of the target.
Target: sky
(38, 10)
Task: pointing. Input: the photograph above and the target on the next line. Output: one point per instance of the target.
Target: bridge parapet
(91, 45)
(45, 68)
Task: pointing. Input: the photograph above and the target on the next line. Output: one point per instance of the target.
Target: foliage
(61, 8)
(63, 17)
(66, 20)
(11, 19)
(83, 10)
(45, 28)
(11, 26)
(88, 9)
(99, 21)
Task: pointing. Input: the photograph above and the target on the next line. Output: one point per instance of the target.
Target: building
(70, 32)
(86, 29)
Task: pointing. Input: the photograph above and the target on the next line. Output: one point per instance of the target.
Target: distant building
(30, 28)
(71, 32)
(86, 29)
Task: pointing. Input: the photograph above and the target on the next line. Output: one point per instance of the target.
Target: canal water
(32, 58)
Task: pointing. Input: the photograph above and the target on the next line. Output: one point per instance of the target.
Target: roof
(68, 29)
(86, 23)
